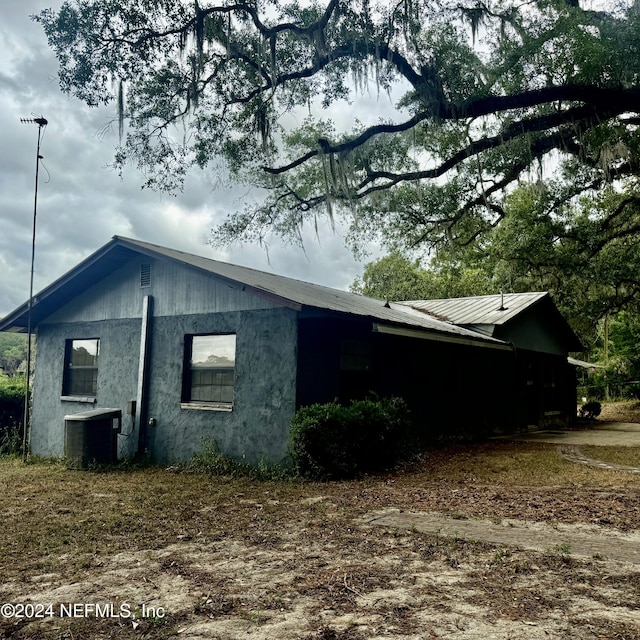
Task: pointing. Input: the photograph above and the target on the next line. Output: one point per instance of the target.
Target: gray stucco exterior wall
(119, 343)
(257, 429)
(185, 301)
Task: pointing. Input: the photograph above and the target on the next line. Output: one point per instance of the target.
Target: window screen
(81, 367)
(210, 368)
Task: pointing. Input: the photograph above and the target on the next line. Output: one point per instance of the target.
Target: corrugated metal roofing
(296, 292)
(478, 310)
(583, 364)
(309, 294)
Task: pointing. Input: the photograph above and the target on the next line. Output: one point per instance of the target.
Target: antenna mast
(41, 122)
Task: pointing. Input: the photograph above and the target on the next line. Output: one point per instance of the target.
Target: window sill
(89, 399)
(207, 406)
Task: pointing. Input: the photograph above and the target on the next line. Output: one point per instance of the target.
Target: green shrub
(590, 410)
(11, 412)
(332, 441)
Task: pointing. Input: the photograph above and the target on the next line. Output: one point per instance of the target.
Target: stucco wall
(257, 429)
(117, 375)
(185, 301)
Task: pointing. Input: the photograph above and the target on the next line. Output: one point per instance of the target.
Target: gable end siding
(176, 290)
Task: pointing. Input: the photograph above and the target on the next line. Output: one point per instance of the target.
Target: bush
(333, 441)
(11, 413)
(590, 410)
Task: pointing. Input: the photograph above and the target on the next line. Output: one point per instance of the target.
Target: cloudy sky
(82, 203)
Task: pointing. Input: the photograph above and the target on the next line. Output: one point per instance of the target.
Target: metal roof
(478, 310)
(583, 364)
(286, 290)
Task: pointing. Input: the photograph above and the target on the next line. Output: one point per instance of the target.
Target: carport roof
(474, 310)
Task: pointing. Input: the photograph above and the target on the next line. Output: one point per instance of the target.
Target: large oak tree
(492, 91)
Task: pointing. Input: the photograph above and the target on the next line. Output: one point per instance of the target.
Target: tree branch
(601, 104)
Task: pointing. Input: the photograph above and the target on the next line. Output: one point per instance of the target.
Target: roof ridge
(483, 296)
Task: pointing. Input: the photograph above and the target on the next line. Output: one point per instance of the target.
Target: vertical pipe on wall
(143, 365)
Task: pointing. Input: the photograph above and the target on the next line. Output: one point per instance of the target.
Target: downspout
(143, 370)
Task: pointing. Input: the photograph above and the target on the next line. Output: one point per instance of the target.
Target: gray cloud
(82, 203)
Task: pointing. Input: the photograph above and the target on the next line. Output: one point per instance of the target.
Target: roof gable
(509, 316)
(286, 291)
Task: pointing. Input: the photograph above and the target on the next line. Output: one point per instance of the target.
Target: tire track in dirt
(586, 541)
(574, 454)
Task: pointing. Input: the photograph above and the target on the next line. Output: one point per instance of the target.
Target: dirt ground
(172, 555)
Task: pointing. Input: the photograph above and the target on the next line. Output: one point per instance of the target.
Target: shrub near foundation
(333, 441)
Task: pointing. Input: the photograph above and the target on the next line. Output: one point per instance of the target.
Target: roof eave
(18, 320)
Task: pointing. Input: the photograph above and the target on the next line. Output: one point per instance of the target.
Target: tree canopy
(585, 253)
(13, 352)
(396, 277)
(488, 92)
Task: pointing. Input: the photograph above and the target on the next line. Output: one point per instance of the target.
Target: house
(190, 349)
(541, 339)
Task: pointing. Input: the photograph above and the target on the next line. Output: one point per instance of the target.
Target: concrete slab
(616, 434)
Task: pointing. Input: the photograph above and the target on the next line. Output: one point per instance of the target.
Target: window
(209, 371)
(355, 355)
(81, 368)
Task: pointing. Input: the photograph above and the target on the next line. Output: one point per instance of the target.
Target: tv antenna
(42, 123)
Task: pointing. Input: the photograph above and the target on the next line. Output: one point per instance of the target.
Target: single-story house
(190, 349)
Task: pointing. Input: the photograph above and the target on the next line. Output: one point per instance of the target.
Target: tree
(493, 90)
(13, 352)
(584, 253)
(619, 375)
(395, 277)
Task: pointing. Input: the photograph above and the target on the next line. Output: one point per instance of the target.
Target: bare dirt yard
(498, 540)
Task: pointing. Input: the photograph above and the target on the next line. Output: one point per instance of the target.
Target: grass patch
(621, 411)
(628, 456)
(210, 460)
(10, 441)
(516, 463)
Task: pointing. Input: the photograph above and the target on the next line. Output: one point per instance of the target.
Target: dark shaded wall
(328, 368)
(454, 391)
(547, 389)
